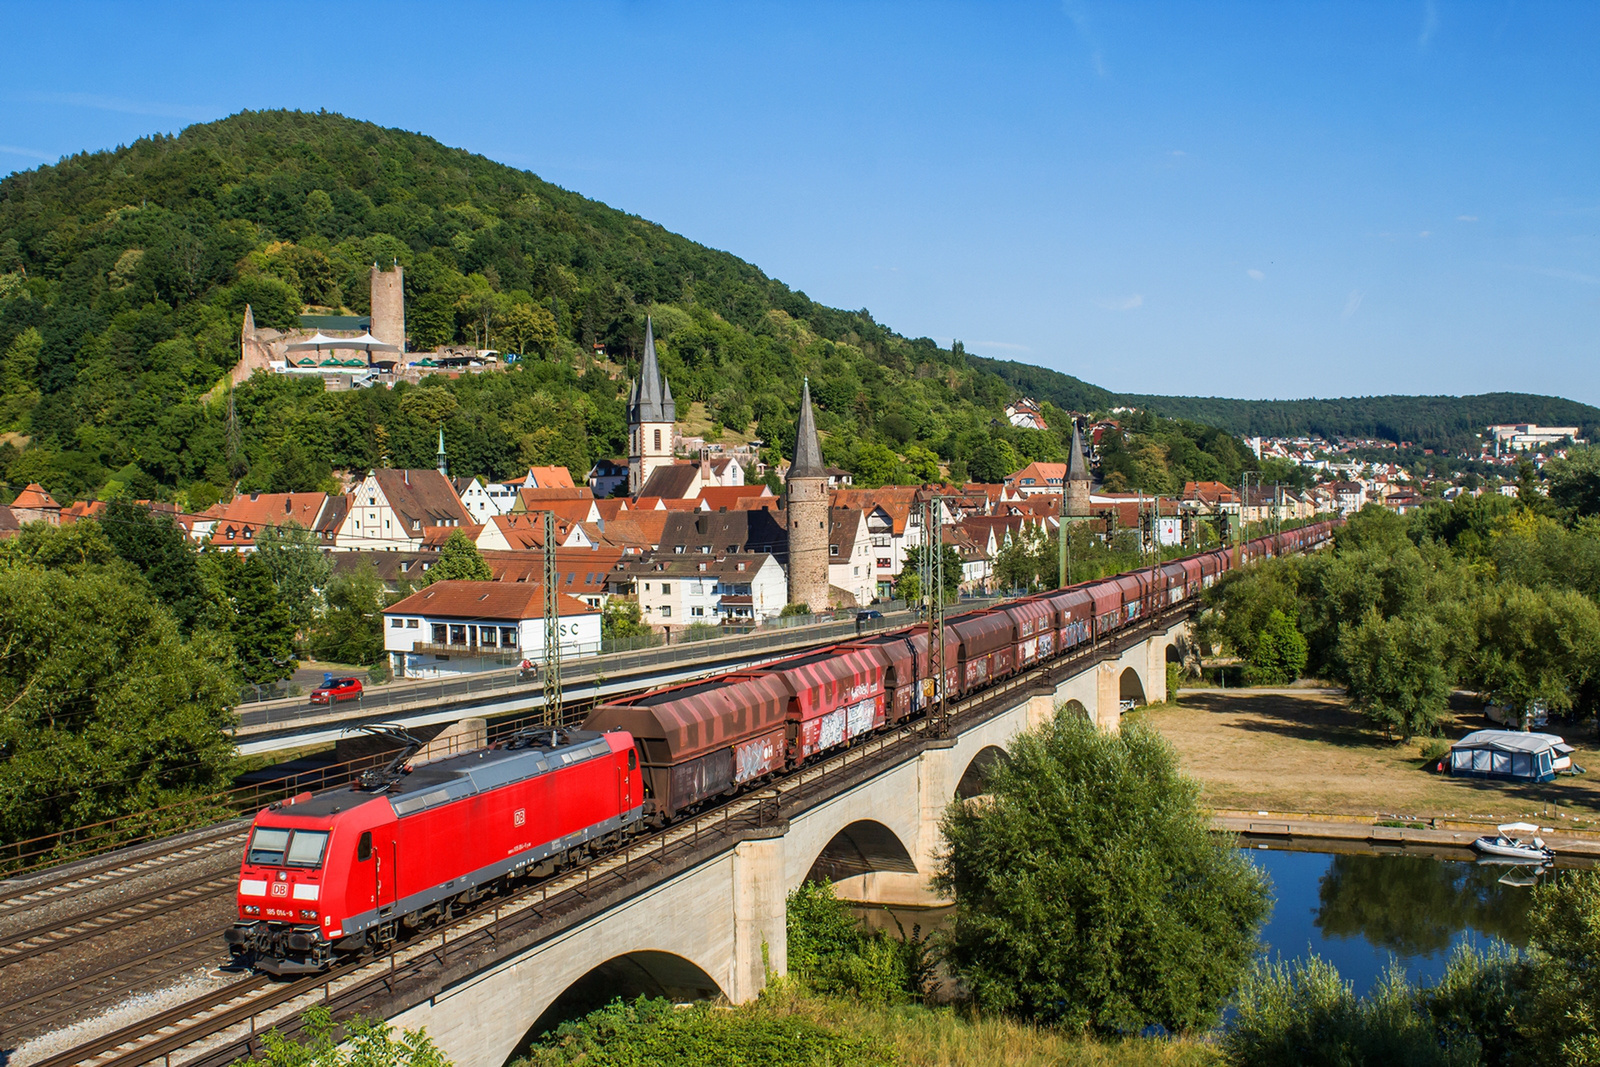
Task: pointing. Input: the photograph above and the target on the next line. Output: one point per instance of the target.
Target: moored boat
(1512, 840)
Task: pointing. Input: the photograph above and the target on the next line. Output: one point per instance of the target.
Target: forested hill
(1451, 421)
(1443, 421)
(124, 275)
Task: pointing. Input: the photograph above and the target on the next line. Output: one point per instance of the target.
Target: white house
(484, 500)
(851, 564)
(390, 510)
(452, 628)
(676, 591)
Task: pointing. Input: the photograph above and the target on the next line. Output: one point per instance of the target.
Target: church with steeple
(651, 415)
(1075, 503)
(806, 501)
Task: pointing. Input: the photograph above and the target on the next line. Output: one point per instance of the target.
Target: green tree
(530, 328)
(109, 712)
(1397, 672)
(993, 461)
(159, 550)
(19, 381)
(429, 405)
(1575, 481)
(621, 619)
(1565, 936)
(908, 583)
(1279, 655)
(1091, 890)
(459, 559)
(365, 1043)
(350, 629)
(299, 569)
(259, 622)
(1535, 646)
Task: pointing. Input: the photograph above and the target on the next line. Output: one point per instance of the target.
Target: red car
(337, 690)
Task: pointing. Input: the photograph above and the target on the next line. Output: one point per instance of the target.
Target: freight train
(405, 846)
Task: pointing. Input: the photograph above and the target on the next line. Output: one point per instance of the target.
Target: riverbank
(790, 1027)
(1327, 833)
(1307, 751)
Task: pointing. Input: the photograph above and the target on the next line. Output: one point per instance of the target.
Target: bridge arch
(862, 847)
(1130, 687)
(1074, 709)
(649, 973)
(974, 779)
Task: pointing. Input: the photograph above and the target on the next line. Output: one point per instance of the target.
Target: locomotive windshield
(306, 848)
(267, 845)
(273, 846)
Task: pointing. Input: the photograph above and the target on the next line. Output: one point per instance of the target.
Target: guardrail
(397, 697)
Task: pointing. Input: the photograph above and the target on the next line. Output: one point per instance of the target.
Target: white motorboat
(1516, 841)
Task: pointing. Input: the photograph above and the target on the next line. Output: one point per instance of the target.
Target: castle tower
(806, 490)
(651, 414)
(389, 306)
(1076, 503)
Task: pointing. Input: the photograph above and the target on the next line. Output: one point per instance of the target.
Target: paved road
(267, 717)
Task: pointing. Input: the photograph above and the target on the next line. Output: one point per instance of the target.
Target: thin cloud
(1425, 233)
(14, 150)
(1080, 22)
(1255, 275)
(1430, 23)
(1466, 218)
(1122, 303)
(125, 106)
(1007, 345)
(1352, 303)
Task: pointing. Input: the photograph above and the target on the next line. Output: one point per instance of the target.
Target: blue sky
(1255, 200)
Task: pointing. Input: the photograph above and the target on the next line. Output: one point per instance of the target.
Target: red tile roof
(498, 601)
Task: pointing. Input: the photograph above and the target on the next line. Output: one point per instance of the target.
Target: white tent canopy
(319, 341)
(365, 343)
(370, 343)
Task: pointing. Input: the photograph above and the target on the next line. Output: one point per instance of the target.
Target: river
(1358, 910)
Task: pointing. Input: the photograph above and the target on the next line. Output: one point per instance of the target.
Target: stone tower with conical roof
(806, 493)
(651, 415)
(1078, 479)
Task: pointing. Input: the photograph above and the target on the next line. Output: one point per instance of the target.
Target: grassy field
(1294, 750)
(944, 1037)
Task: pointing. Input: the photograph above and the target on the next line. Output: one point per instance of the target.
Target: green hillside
(124, 276)
(1429, 421)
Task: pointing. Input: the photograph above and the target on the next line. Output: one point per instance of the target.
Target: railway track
(224, 1025)
(102, 871)
(120, 914)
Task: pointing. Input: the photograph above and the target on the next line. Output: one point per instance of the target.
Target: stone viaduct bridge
(700, 912)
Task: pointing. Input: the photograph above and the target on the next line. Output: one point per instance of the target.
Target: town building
(806, 496)
(391, 510)
(607, 476)
(851, 574)
(452, 628)
(651, 418)
(677, 591)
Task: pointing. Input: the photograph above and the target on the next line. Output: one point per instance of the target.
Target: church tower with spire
(651, 415)
(806, 492)
(1076, 504)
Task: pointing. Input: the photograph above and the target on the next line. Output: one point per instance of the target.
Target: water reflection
(1359, 911)
(1416, 905)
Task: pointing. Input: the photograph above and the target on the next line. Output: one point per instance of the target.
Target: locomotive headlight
(251, 909)
(307, 913)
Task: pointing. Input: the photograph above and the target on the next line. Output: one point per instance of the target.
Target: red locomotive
(354, 867)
